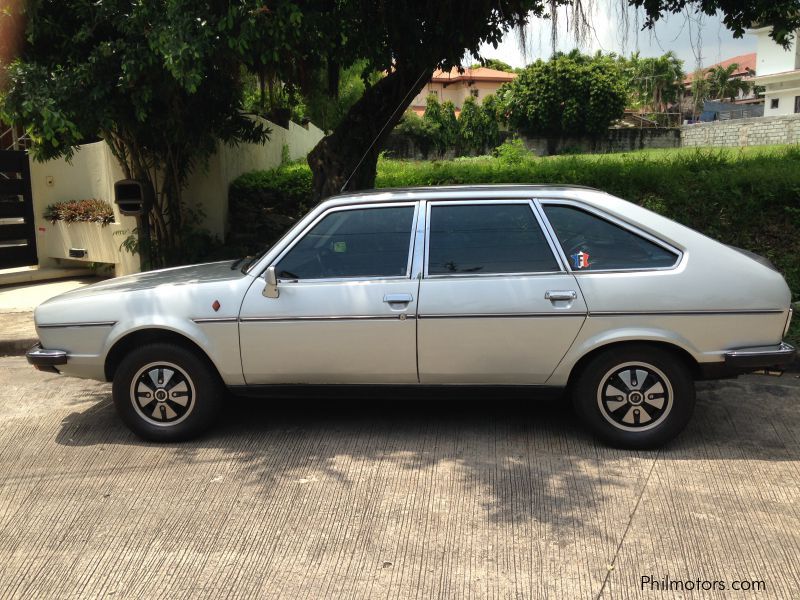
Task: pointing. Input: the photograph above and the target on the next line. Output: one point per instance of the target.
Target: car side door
(497, 305)
(345, 305)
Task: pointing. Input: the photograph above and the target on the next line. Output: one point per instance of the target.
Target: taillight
(788, 322)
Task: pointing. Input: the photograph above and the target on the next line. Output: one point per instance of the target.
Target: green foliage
(723, 85)
(571, 94)
(325, 108)
(157, 80)
(494, 63)
(655, 82)
(476, 129)
(512, 152)
(262, 205)
(80, 211)
(747, 199)
(471, 126)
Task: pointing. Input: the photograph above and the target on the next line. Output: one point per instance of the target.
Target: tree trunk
(336, 157)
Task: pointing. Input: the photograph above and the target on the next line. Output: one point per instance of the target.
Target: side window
(367, 242)
(592, 243)
(487, 238)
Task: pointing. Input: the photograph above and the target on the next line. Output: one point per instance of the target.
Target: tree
(408, 40)
(287, 41)
(700, 91)
(722, 83)
(655, 82)
(571, 94)
(494, 63)
(157, 80)
(471, 126)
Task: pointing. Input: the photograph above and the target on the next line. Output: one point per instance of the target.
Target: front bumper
(46, 360)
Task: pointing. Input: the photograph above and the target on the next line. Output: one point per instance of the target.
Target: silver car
(541, 286)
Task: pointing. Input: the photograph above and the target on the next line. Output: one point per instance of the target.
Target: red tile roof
(746, 62)
(479, 74)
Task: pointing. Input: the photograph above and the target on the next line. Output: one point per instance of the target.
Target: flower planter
(90, 242)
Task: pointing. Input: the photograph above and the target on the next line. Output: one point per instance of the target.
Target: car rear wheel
(166, 393)
(635, 396)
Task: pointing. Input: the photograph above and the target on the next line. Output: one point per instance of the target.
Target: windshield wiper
(237, 262)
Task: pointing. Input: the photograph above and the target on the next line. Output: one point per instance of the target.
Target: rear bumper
(762, 357)
(747, 360)
(46, 360)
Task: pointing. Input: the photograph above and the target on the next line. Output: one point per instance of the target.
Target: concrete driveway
(395, 497)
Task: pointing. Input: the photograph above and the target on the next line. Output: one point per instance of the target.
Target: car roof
(384, 194)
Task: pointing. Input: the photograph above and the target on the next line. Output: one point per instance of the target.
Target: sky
(698, 40)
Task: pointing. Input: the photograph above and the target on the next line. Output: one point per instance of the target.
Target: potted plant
(80, 231)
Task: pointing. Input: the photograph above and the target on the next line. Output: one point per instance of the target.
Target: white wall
(785, 92)
(772, 58)
(91, 174)
(93, 171)
(209, 189)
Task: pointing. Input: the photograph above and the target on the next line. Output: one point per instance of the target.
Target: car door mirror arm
(271, 288)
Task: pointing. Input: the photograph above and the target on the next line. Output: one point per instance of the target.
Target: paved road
(392, 498)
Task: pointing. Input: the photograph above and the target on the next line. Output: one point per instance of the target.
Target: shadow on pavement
(530, 459)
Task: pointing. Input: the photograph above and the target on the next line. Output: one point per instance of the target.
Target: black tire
(185, 392)
(626, 408)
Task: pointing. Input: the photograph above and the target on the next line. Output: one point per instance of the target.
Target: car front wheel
(166, 393)
(635, 396)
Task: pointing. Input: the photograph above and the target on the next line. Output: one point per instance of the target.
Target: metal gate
(17, 232)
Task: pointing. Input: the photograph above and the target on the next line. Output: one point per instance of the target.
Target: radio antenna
(385, 125)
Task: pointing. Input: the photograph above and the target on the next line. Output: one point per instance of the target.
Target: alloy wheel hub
(635, 396)
(162, 393)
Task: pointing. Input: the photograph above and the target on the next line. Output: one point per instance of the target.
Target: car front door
(346, 305)
(497, 305)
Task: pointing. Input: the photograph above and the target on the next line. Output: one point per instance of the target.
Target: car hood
(192, 274)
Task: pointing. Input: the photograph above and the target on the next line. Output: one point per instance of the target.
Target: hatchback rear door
(496, 303)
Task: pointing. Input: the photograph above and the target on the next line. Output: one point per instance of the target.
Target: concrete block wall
(759, 131)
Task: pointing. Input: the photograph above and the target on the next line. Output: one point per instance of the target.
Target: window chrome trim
(334, 209)
(83, 324)
(429, 204)
(679, 253)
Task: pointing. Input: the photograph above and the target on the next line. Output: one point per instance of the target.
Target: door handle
(555, 295)
(398, 298)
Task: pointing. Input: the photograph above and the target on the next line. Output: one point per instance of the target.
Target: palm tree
(722, 84)
(656, 82)
(701, 91)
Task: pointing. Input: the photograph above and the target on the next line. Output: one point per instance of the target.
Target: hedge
(748, 199)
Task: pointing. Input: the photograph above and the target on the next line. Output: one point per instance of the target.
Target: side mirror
(271, 289)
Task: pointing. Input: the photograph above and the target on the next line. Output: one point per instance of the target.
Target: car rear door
(496, 303)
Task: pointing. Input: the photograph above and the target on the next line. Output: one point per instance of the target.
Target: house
(456, 87)
(779, 72)
(745, 69)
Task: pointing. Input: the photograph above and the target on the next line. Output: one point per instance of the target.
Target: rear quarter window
(592, 243)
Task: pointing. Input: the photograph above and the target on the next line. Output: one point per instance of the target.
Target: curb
(16, 347)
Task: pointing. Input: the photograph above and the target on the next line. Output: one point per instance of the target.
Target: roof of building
(746, 62)
(479, 74)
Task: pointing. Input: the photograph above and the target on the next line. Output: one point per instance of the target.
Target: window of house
(474, 93)
(592, 243)
(773, 103)
(368, 242)
(797, 104)
(487, 239)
